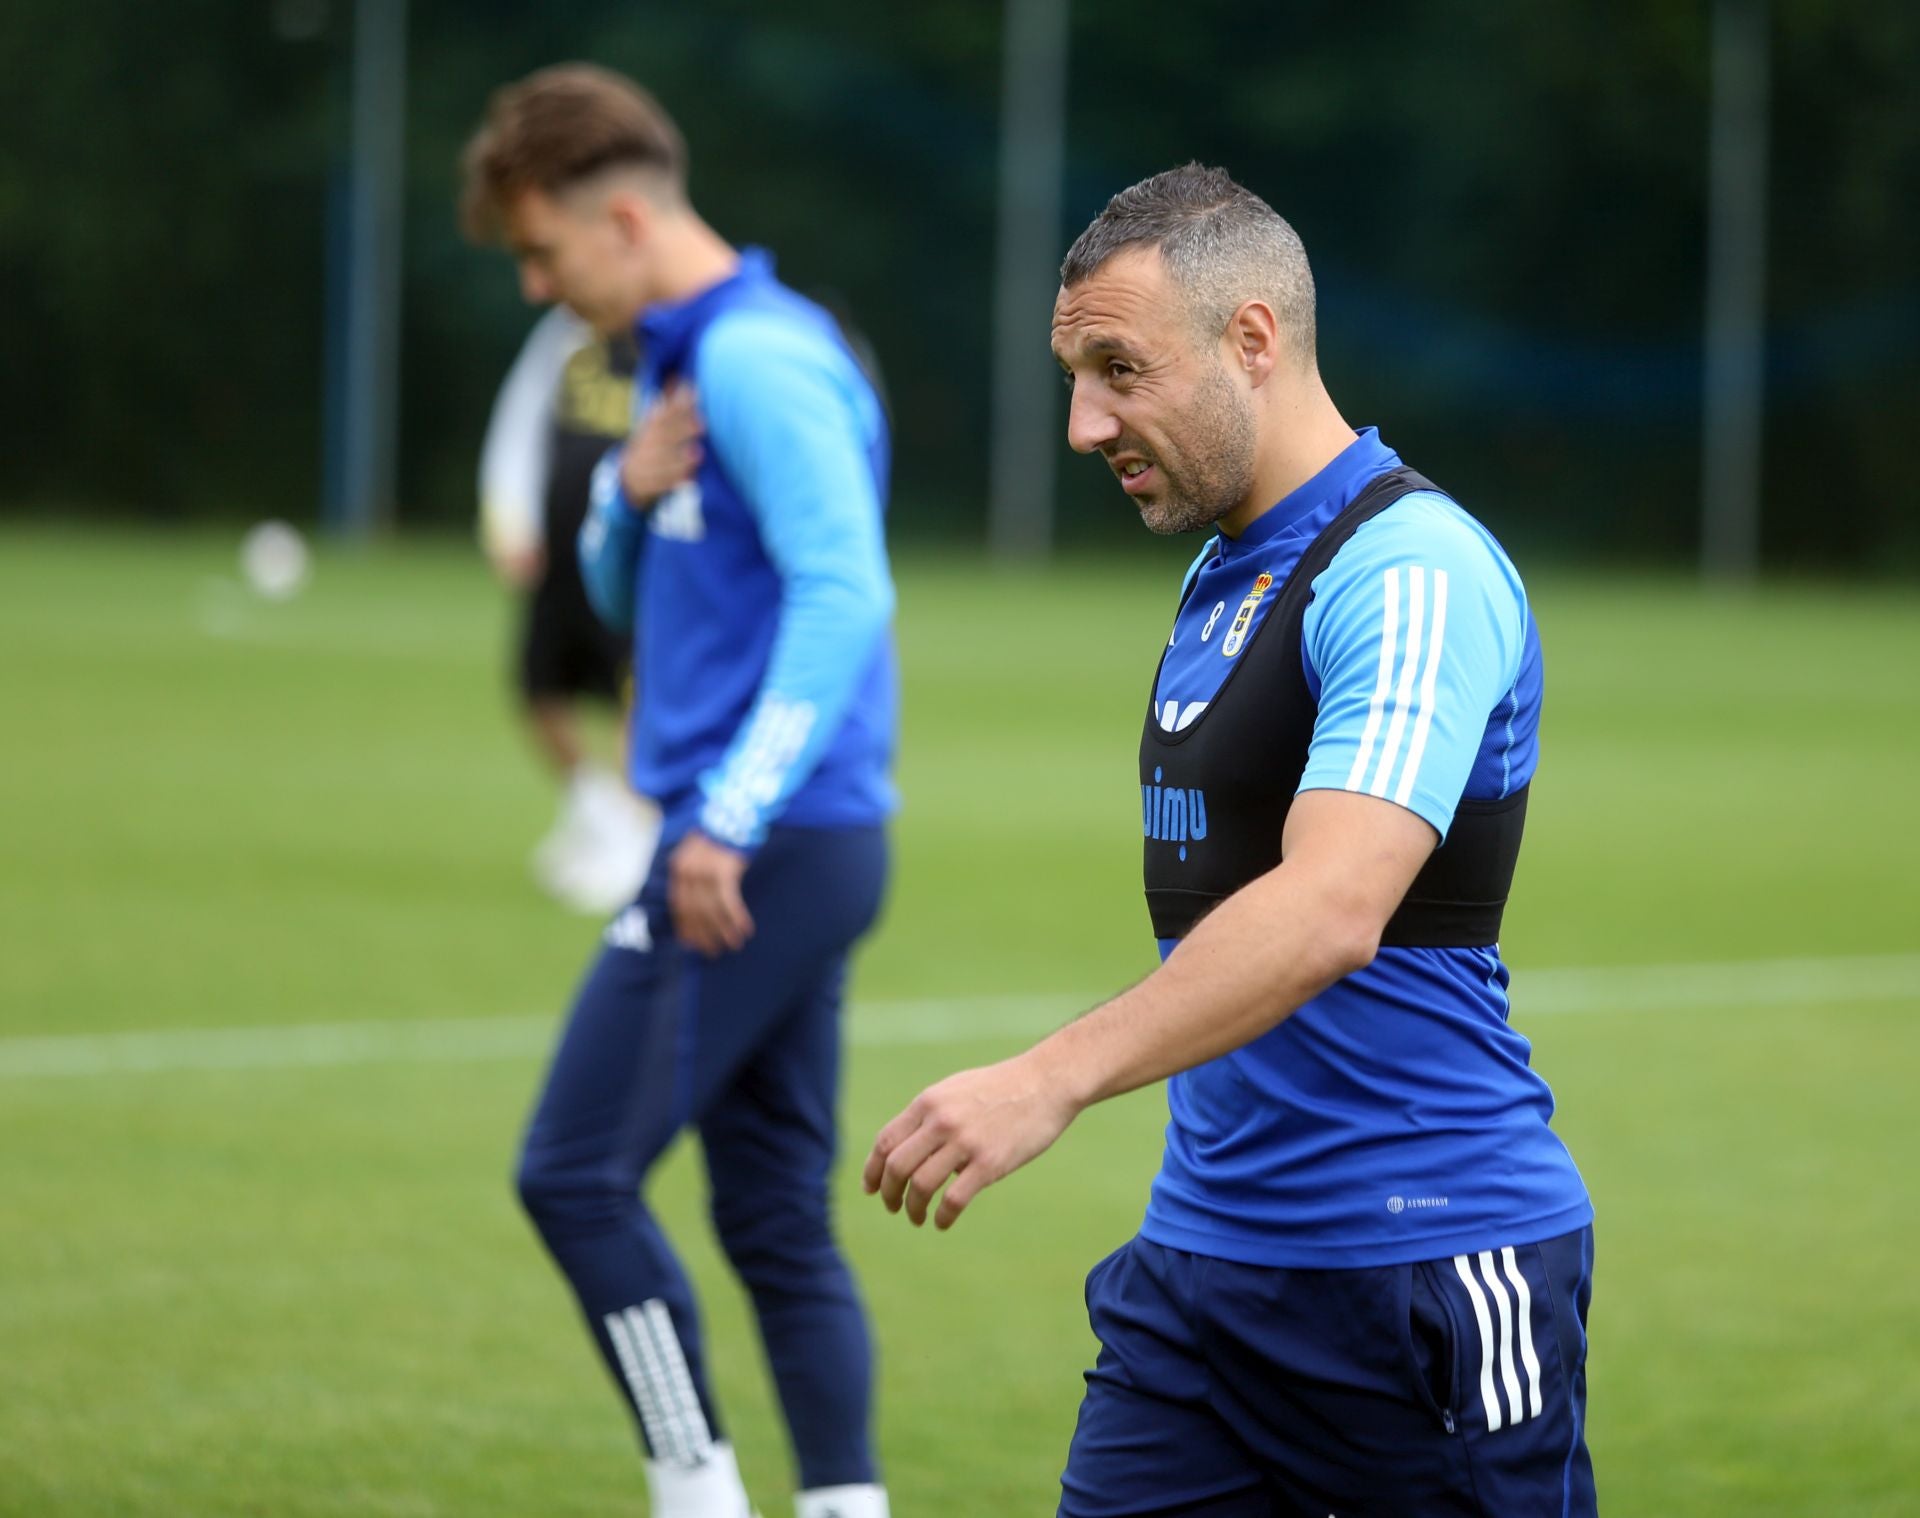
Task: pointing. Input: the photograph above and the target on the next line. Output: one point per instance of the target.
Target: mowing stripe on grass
(923, 1021)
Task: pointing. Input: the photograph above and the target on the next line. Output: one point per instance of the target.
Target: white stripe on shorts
(1499, 1295)
(1489, 1398)
(1524, 1294)
(1507, 1323)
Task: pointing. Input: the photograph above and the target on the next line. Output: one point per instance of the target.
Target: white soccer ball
(274, 560)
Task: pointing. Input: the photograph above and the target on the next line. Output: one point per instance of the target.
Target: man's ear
(1253, 340)
(632, 215)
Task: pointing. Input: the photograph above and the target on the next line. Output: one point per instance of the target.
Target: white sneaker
(572, 829)
(710, 1489)
(597, 854)
(864, 1501)
(603, 877)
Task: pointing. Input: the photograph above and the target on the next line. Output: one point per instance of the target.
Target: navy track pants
(745, 1048)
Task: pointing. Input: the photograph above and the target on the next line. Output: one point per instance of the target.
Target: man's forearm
(1262, 953)
(824, 646)
(1244, 968)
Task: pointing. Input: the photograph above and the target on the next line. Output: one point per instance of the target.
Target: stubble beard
(1214, 471)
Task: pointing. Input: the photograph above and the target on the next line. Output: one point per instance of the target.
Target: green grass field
(283, 1273)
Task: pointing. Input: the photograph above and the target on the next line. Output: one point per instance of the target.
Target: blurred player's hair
(559, 127)
(1221, 243)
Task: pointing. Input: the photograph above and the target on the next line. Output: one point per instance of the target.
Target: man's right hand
(971, 1129)
(664, 449)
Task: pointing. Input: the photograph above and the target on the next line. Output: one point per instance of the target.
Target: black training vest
(1215, 795)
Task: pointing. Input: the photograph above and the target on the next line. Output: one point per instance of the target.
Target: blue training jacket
(758, 593)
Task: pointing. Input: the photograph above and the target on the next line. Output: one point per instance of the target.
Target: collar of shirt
(666, 328)
(1333, 487)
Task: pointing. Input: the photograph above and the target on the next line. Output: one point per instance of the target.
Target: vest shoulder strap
(1383, 491)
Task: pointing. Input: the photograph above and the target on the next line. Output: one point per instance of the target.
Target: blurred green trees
(1503, 202)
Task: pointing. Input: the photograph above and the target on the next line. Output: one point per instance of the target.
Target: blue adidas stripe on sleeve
(1414, 636)
(610, 540)
(794, 422)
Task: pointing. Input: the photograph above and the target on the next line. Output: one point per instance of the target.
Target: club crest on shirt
(1243, 618)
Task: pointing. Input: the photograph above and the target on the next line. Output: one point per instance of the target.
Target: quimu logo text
(1173, 813)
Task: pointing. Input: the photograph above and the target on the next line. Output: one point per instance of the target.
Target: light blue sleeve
(1415, 633)
(790, 417)
(611, 537)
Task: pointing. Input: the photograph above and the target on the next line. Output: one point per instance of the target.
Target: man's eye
(1117, 371)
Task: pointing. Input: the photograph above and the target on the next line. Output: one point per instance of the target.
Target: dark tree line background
(1504, 202)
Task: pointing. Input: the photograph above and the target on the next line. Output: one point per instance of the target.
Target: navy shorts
(1451, 1387)
(566, 651)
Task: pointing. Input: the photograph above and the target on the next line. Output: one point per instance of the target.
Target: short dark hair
(558, 127)
(1222, 244)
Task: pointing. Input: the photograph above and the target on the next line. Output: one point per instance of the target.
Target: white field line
(927, 1021)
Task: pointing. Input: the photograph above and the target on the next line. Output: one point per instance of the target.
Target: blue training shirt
(758, 592)
(1395, 1116)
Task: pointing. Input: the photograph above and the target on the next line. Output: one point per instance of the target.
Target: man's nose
(535, 288)
(1090, 423)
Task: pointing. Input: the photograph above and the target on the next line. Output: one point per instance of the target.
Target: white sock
(593, 789)
(867, 1501)
(711, 1489)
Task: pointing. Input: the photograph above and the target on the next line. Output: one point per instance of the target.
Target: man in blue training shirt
(1361, 1284)
(739, 533)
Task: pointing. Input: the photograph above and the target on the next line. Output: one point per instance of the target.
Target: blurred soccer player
(1361, 1284)
(567, 397)
(740, 529)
